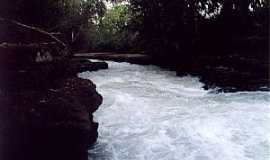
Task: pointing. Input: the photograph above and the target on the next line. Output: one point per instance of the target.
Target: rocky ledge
(53, 123)
(45, 109)
(48, 115)
(142, 59)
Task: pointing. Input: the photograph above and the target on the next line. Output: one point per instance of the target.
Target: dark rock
(56, 123)
(118, 57)
(45, 112)
(83, 65)
(231, 73)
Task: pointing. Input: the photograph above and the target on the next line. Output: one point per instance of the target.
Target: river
(150, 114)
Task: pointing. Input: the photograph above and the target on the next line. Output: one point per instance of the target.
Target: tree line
(67, 17)
(177, 28)
(181, 28)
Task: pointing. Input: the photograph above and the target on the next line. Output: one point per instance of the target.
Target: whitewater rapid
(150, 114)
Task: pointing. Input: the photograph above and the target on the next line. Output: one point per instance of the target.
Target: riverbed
(149, 113)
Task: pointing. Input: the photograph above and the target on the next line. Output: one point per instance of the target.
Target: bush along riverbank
(45, 109)
(226, 73)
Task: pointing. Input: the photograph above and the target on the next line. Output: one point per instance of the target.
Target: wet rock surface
(83, 64)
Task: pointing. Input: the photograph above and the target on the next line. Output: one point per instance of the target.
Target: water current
(150, 114)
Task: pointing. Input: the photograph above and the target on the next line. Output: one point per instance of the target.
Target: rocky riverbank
(118, 57)
(45, 109)
(228, 73)
(53, 122)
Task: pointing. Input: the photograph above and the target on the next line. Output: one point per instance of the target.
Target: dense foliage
(65, 16)
(114, 30)
(182, 28)
(187, 28)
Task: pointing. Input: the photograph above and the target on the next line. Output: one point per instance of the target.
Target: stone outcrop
(45, 109)
(54, 123)
(82, 65)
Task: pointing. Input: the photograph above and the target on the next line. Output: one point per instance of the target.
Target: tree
(178, 26)
(67, 16)
(114, 29)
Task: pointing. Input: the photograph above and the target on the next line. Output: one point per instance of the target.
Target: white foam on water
(151, 114)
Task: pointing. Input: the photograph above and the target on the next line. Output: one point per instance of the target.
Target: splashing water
(150, 114)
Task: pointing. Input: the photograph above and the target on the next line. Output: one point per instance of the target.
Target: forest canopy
(157, 27)
(65, 16)
(178, 25)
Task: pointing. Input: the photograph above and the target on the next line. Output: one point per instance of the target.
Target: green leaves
(64, 16)
(113, 29)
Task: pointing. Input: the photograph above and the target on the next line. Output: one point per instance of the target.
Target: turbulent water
(150, 114)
